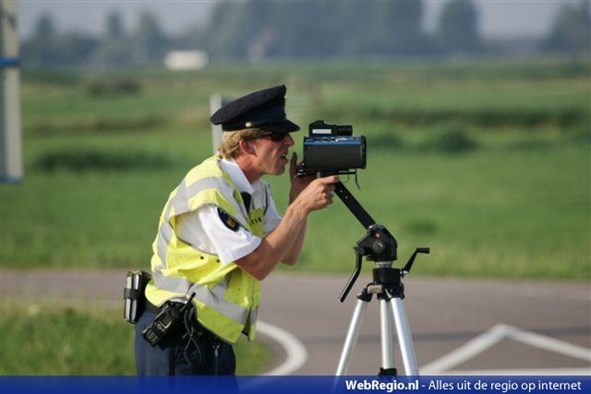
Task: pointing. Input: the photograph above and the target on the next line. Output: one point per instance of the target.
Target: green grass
(43, 340)
(497, 211)
(487, 163)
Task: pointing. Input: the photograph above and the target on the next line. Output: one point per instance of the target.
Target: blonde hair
(229, 145)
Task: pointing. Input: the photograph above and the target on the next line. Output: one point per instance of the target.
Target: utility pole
(215, 103)
(11, 158)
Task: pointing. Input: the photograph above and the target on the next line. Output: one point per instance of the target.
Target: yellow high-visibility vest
(226, 297)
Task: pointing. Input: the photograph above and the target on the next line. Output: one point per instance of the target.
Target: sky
(498, 18)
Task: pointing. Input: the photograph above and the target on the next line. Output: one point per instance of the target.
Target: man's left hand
(298, 183)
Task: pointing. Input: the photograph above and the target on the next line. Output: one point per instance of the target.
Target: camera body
(332, 149)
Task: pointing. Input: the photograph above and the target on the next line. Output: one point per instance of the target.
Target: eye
(277, 137)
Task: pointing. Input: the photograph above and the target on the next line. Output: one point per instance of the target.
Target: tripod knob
(378, 247)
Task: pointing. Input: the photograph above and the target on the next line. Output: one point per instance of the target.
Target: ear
(247, 147)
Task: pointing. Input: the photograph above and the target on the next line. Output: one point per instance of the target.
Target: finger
(293, 164)
(328, 199)
(329, 179)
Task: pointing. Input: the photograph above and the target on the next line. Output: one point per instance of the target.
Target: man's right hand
(318, 194)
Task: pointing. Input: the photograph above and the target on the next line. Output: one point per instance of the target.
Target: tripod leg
(387, 338)
(351, 338)
(404, 337)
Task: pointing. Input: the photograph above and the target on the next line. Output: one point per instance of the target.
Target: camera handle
(378, 245)
(354, 206)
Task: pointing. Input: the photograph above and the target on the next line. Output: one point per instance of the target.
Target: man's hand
(318, 194)
(298, 183)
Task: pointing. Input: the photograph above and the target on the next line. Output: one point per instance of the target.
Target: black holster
(134, 295)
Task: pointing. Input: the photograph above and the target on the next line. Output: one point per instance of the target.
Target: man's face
(271, 153)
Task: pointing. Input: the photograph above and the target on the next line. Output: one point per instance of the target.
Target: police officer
(220, 234)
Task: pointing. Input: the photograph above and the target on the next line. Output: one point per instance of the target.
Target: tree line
(259, 30)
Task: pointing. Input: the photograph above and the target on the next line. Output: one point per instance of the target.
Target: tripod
(379, 245)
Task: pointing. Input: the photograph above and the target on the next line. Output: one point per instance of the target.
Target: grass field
(487, 163)
(53, 340)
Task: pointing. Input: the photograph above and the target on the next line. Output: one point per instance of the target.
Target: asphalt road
(458, 326)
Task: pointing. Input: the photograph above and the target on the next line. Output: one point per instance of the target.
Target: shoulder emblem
(228, 220)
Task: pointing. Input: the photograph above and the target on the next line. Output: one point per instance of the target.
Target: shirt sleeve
(229, 242)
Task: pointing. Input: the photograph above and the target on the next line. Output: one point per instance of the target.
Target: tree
(395, 27)
(114, 26)
(303, 29)
(72, 49)
(352, 21)
(571, 30)
(149, 42)
(457, 30)
(115, 48)
(39, 49)
(223, 33)
(255, 32)
(45, 28)
(260, 29)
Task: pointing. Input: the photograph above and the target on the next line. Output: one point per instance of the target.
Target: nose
(288, 140)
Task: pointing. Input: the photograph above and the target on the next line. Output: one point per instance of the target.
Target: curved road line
(295, 349)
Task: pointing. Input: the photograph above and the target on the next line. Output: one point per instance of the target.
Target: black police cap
(264, 109)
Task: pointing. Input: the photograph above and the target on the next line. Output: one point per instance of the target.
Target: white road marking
(496, 334)
(297, 355)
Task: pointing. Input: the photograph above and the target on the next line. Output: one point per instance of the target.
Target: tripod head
(378, 244)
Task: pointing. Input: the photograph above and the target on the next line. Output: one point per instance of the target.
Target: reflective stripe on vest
(226, 297)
